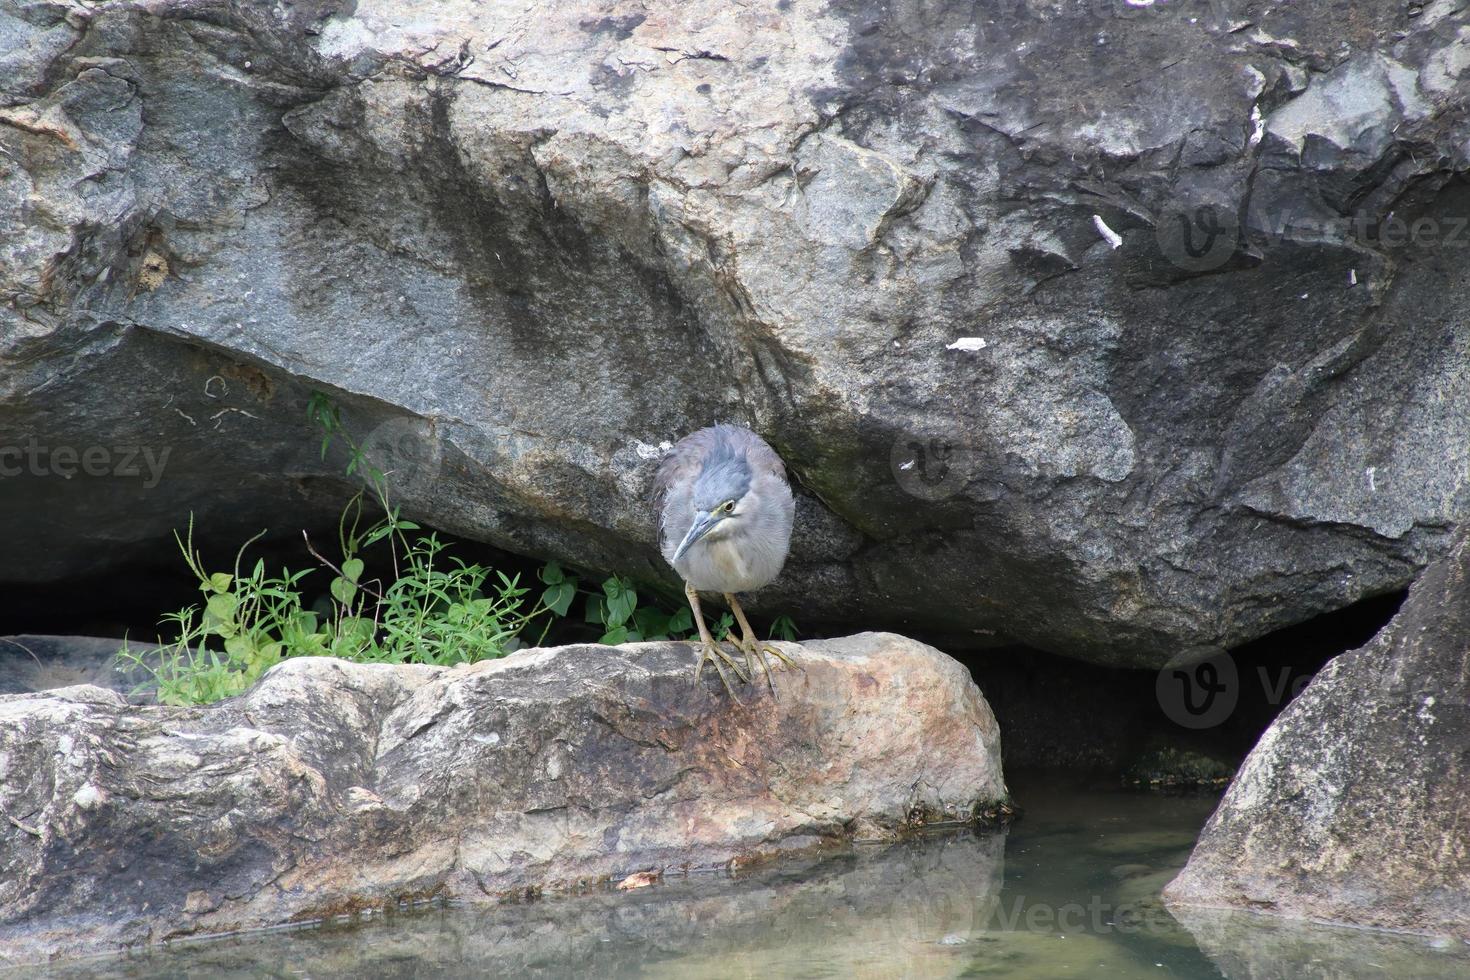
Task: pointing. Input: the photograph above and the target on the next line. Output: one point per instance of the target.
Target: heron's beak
(703, 521)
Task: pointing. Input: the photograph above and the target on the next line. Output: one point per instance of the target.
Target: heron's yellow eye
(727, 506)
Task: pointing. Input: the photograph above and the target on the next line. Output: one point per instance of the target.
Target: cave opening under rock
(1062, 713)
(1057, 712)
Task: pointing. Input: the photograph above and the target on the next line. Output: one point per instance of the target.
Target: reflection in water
(1071, 890)
(1260, 947)
(851, 913)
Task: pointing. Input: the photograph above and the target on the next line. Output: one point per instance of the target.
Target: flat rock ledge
(334, 786)
(1352, 807)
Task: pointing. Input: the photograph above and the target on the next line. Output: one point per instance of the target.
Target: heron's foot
(711, 653)
(755, 655)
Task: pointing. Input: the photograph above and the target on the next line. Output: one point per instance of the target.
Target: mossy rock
(1172, 766)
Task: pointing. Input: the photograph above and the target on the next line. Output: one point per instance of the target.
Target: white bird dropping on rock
(1109, 235)
(967, 343)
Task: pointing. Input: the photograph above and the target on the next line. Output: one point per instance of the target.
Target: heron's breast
(719, 566)
(725, 557)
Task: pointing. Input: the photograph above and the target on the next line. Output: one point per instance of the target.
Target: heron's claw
(756, 652)
(710, 652)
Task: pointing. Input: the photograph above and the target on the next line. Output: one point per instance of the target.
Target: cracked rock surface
(1351, 807)
(524, 246)
(333, 786)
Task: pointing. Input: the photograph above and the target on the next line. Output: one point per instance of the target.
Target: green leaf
(558, 598)
(352, 569)
(312, 645)
(784, 629)
(239, 648)
(614, 636)
(343, 591)
(621, 601)
(221, 608)
(596, 611)
(682, 621)
(651, 624)
(551, 573)
(220, 582)
(377, 534)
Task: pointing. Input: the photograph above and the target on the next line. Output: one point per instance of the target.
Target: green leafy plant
(427, 607)
(783, 628)
(624, 619)
(242, 628)
(439, 610)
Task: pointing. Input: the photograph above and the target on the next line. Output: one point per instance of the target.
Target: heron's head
(721, 498)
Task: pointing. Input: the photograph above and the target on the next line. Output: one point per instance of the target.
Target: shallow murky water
(1070, 890)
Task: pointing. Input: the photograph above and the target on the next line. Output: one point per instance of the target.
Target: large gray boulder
(334, 786)
(1215, 254)
(1351, 808)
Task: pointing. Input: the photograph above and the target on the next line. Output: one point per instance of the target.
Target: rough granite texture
(334, 786)
(522, 245)
(1352, 806)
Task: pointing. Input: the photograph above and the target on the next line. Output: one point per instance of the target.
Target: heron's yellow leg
(753, 649)
(710, 651)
